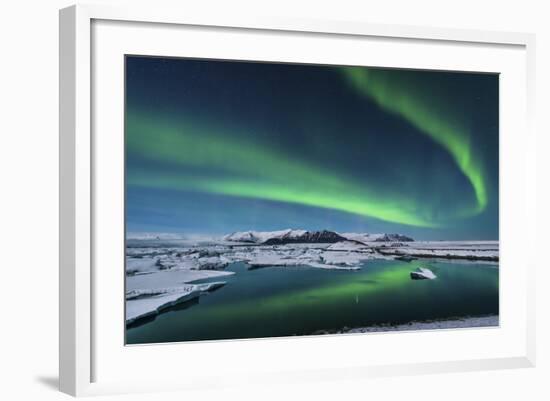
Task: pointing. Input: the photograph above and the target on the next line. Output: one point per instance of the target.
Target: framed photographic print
(275, 199)
(238, 190)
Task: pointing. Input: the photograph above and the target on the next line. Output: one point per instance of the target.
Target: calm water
(285, 301)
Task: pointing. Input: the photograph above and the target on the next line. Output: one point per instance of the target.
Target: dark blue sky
(217, 146)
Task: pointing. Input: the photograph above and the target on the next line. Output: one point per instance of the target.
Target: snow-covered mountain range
(303, 236)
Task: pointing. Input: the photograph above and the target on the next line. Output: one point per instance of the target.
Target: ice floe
(144, 303)
(422, 273)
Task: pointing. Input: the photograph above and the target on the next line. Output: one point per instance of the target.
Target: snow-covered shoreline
(466, 250)
(456, 323)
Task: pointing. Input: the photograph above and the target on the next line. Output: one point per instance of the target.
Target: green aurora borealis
(260, 172)
(394, 94)
(214, 147)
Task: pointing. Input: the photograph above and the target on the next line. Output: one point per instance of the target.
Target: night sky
(214, 147)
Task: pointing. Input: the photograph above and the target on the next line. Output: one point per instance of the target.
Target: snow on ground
(141, 265)
(310, 259)
(471, 250)
(467, 322)
(165, 279)
(324, 256)
(157, 287)
(345, 258)
(366, 237)
(348, 246)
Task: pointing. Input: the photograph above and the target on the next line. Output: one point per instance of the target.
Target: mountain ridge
(290, 236)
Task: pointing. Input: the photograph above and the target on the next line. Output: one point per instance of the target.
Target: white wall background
(29, 185)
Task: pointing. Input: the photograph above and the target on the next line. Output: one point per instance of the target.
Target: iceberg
(422, 274)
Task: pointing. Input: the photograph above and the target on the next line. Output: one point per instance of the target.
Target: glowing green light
(393, 277)
(231, 167)
(397, 95)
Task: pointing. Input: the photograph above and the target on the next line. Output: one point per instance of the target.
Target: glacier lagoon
(274, 301)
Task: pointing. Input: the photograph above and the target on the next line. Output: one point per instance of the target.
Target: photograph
(277, 199)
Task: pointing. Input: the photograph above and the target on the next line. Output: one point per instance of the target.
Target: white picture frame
(80, 373)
